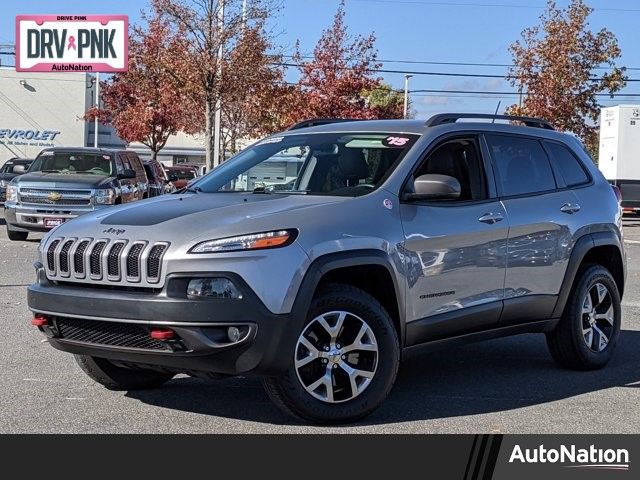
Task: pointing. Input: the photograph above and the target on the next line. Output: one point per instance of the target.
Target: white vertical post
(406, 95)
(217, 122)
(95, 127)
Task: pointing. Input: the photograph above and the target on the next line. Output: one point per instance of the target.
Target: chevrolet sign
(53, 43)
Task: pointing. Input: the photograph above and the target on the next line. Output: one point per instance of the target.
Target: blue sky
(415, 30)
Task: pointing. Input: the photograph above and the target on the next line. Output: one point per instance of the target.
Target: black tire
(287, 390)
(118, 378)
(567, 342)
(17, 236)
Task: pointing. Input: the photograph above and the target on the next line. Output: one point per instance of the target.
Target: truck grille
(104, 260)
(52, 197)
(115, 334)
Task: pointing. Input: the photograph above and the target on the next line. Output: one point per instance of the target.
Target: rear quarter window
(567, 164)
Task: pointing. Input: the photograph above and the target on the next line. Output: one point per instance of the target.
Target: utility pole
(244, 13)
(406, 95)
(217, 121)
(95, 127)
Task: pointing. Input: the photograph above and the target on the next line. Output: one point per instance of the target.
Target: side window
(125, 162)
(136, 164)
(521, 165)
(459, 158)
(567, 163)
(119, 166)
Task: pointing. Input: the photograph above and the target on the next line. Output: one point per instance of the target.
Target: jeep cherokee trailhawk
(317, 256)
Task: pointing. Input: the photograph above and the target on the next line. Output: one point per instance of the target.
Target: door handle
(570, 208)
(491, 218)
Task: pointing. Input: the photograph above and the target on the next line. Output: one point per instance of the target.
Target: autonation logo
(574, 457)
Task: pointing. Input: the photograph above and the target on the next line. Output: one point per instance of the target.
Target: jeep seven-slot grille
(112, 261)
(116, 334)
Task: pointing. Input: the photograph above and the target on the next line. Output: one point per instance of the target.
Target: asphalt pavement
(501, 386)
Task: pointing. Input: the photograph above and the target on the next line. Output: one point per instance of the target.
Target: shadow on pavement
(493, 376)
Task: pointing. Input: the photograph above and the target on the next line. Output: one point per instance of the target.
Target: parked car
(11, 169)
(396, 233)
(181, 175)
(63, 183)
(159, 183)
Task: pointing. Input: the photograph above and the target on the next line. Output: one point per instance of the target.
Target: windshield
(342, 164)
(180, 174)
(72, 163)
(8, 166)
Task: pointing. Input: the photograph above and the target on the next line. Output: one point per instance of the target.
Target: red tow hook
(39, 320)
(162, 334)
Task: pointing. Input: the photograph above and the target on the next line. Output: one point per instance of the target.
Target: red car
(179, 176)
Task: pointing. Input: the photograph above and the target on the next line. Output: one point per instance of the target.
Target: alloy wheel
(336, 356)
(598, 317)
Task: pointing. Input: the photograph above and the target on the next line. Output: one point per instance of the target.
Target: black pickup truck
(63, 183)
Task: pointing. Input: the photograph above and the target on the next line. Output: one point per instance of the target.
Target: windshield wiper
(191, 190)
(51, 171)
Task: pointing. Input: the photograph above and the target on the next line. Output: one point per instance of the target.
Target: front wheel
(17, 236)
(344, 362)
(589, 329)
(114, 377)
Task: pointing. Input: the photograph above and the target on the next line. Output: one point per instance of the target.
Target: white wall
(41, 102)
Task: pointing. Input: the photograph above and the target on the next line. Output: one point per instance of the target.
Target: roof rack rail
(444, 118)
(314, 122)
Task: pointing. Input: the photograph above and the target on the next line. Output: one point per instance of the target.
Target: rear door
(543, 215)
(454, 251)
(127, 185)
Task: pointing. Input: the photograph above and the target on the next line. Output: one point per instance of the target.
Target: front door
(454, 251)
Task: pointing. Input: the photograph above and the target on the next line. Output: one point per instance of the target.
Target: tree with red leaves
(148, 103)
(335, 82)
(556, 66)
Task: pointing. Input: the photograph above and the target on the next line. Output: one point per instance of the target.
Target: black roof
(86, 150)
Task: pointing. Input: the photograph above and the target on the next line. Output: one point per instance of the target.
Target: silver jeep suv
(317, 256)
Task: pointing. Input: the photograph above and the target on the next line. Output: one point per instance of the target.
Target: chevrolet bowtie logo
(54, 196)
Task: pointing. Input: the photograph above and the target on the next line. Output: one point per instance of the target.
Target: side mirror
(19, 169)
(173, 178)
(127, 173)
(435, 187)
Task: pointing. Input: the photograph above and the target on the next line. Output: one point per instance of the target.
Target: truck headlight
(106, 196)
(12, 193)
(254, 241)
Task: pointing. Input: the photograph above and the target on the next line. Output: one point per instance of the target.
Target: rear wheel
(589, 329)
(344, 362)
(119, 378)
(17, 236)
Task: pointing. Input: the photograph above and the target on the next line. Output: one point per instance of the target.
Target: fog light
(215, 287)
(234, 334)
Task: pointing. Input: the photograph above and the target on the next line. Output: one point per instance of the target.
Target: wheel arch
(604, 248)
(343, 265)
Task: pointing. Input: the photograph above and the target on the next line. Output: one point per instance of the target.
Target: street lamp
(406, 95)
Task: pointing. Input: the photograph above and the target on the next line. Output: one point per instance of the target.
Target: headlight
(106, 196)
(255, 241)
(12, 193)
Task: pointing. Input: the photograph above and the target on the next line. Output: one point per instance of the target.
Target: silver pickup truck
(64, 183)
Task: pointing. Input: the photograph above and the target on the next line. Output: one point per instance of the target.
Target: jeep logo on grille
(115, 231)
(54, 196)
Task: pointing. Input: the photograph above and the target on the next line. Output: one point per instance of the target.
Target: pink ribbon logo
(72, 43)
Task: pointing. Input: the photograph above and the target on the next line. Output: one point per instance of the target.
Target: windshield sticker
(394, 142)
(267, 141)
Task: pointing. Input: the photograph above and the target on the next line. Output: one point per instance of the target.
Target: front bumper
(200, 325)
(31, 218)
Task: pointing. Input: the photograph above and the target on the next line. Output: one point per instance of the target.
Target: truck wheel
(17, 236)
(344, 362)
(589, 329)
(118, 378)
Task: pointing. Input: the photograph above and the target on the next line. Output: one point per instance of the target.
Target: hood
(180, 218)
(8, 176)
(64, 180)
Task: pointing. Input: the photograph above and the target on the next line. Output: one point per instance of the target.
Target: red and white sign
(72, 43)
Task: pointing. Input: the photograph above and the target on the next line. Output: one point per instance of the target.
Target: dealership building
(40, 110)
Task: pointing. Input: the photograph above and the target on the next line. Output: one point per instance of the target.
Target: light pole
(95, 127)
(406, 95)
(217, 121)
